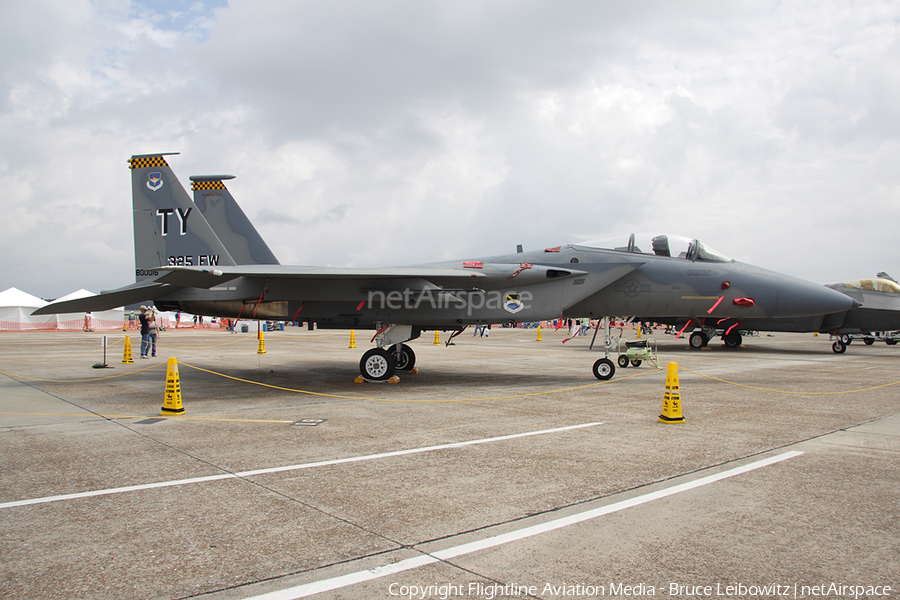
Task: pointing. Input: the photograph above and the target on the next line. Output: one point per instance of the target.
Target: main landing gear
(732, 339)
(391, 355)
(701, 339)
(379, 364)
(697, 340)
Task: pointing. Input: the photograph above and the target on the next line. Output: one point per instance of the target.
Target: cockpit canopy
(659, 245)
(874, 285)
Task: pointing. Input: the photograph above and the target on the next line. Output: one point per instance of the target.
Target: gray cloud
(397, 132)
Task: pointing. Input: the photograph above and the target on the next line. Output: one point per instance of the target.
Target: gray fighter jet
(878, 317)
(183, 262)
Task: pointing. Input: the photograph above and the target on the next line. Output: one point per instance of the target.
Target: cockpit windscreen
(660, 245)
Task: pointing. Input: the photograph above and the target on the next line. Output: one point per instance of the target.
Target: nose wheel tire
(838, 347)
(377, 364)
(604, 369)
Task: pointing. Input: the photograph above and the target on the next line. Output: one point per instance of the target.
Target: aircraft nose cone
(802, 298)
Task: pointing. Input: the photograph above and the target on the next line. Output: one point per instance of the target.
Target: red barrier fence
(92, 324)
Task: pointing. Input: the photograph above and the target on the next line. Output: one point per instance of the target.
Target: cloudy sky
(398, 132)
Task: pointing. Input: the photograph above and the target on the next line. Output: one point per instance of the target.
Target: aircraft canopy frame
(673, 246)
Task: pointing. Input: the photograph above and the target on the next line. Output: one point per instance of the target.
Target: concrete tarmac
(503, 469)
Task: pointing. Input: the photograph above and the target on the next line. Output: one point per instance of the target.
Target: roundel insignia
(513, 303)
(154, 181)
(632, 288)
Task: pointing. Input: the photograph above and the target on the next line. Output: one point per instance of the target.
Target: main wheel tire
(838, 347)
(622, 360)
(733, 339)
(697, 340)
(604, 369)
(405, 360)
(377, 364)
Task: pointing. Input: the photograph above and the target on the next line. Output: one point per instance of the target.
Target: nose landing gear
(604, 368)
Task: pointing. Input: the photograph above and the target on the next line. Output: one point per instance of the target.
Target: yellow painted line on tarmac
(527, 395)
(436, 401)
(58, 358)
(174, 418)
(14, 376)
(340, 396)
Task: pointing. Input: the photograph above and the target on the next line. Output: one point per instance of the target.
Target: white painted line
(119, 490)
(324, 463)
(324, 585)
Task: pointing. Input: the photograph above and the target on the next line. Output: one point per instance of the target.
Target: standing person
(153, 332)
(145, 332)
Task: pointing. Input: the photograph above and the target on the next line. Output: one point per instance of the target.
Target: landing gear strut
(404, 357)
(604, 368)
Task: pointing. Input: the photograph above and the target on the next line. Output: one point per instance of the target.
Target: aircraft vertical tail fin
(229, 222)
(168, 230)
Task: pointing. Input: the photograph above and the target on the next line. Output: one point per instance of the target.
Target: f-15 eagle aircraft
(184, 262)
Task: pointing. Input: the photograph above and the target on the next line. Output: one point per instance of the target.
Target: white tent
(105, 320)
(16, 307)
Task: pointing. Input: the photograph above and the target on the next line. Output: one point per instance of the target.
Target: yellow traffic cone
(262, 343)
(637, 330)
(437, 338)
(127, 359)
(671, 411)
(172, 403)
(539, 334)
(352, 338)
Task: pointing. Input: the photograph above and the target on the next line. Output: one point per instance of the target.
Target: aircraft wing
(130, 294)
(206, 277)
